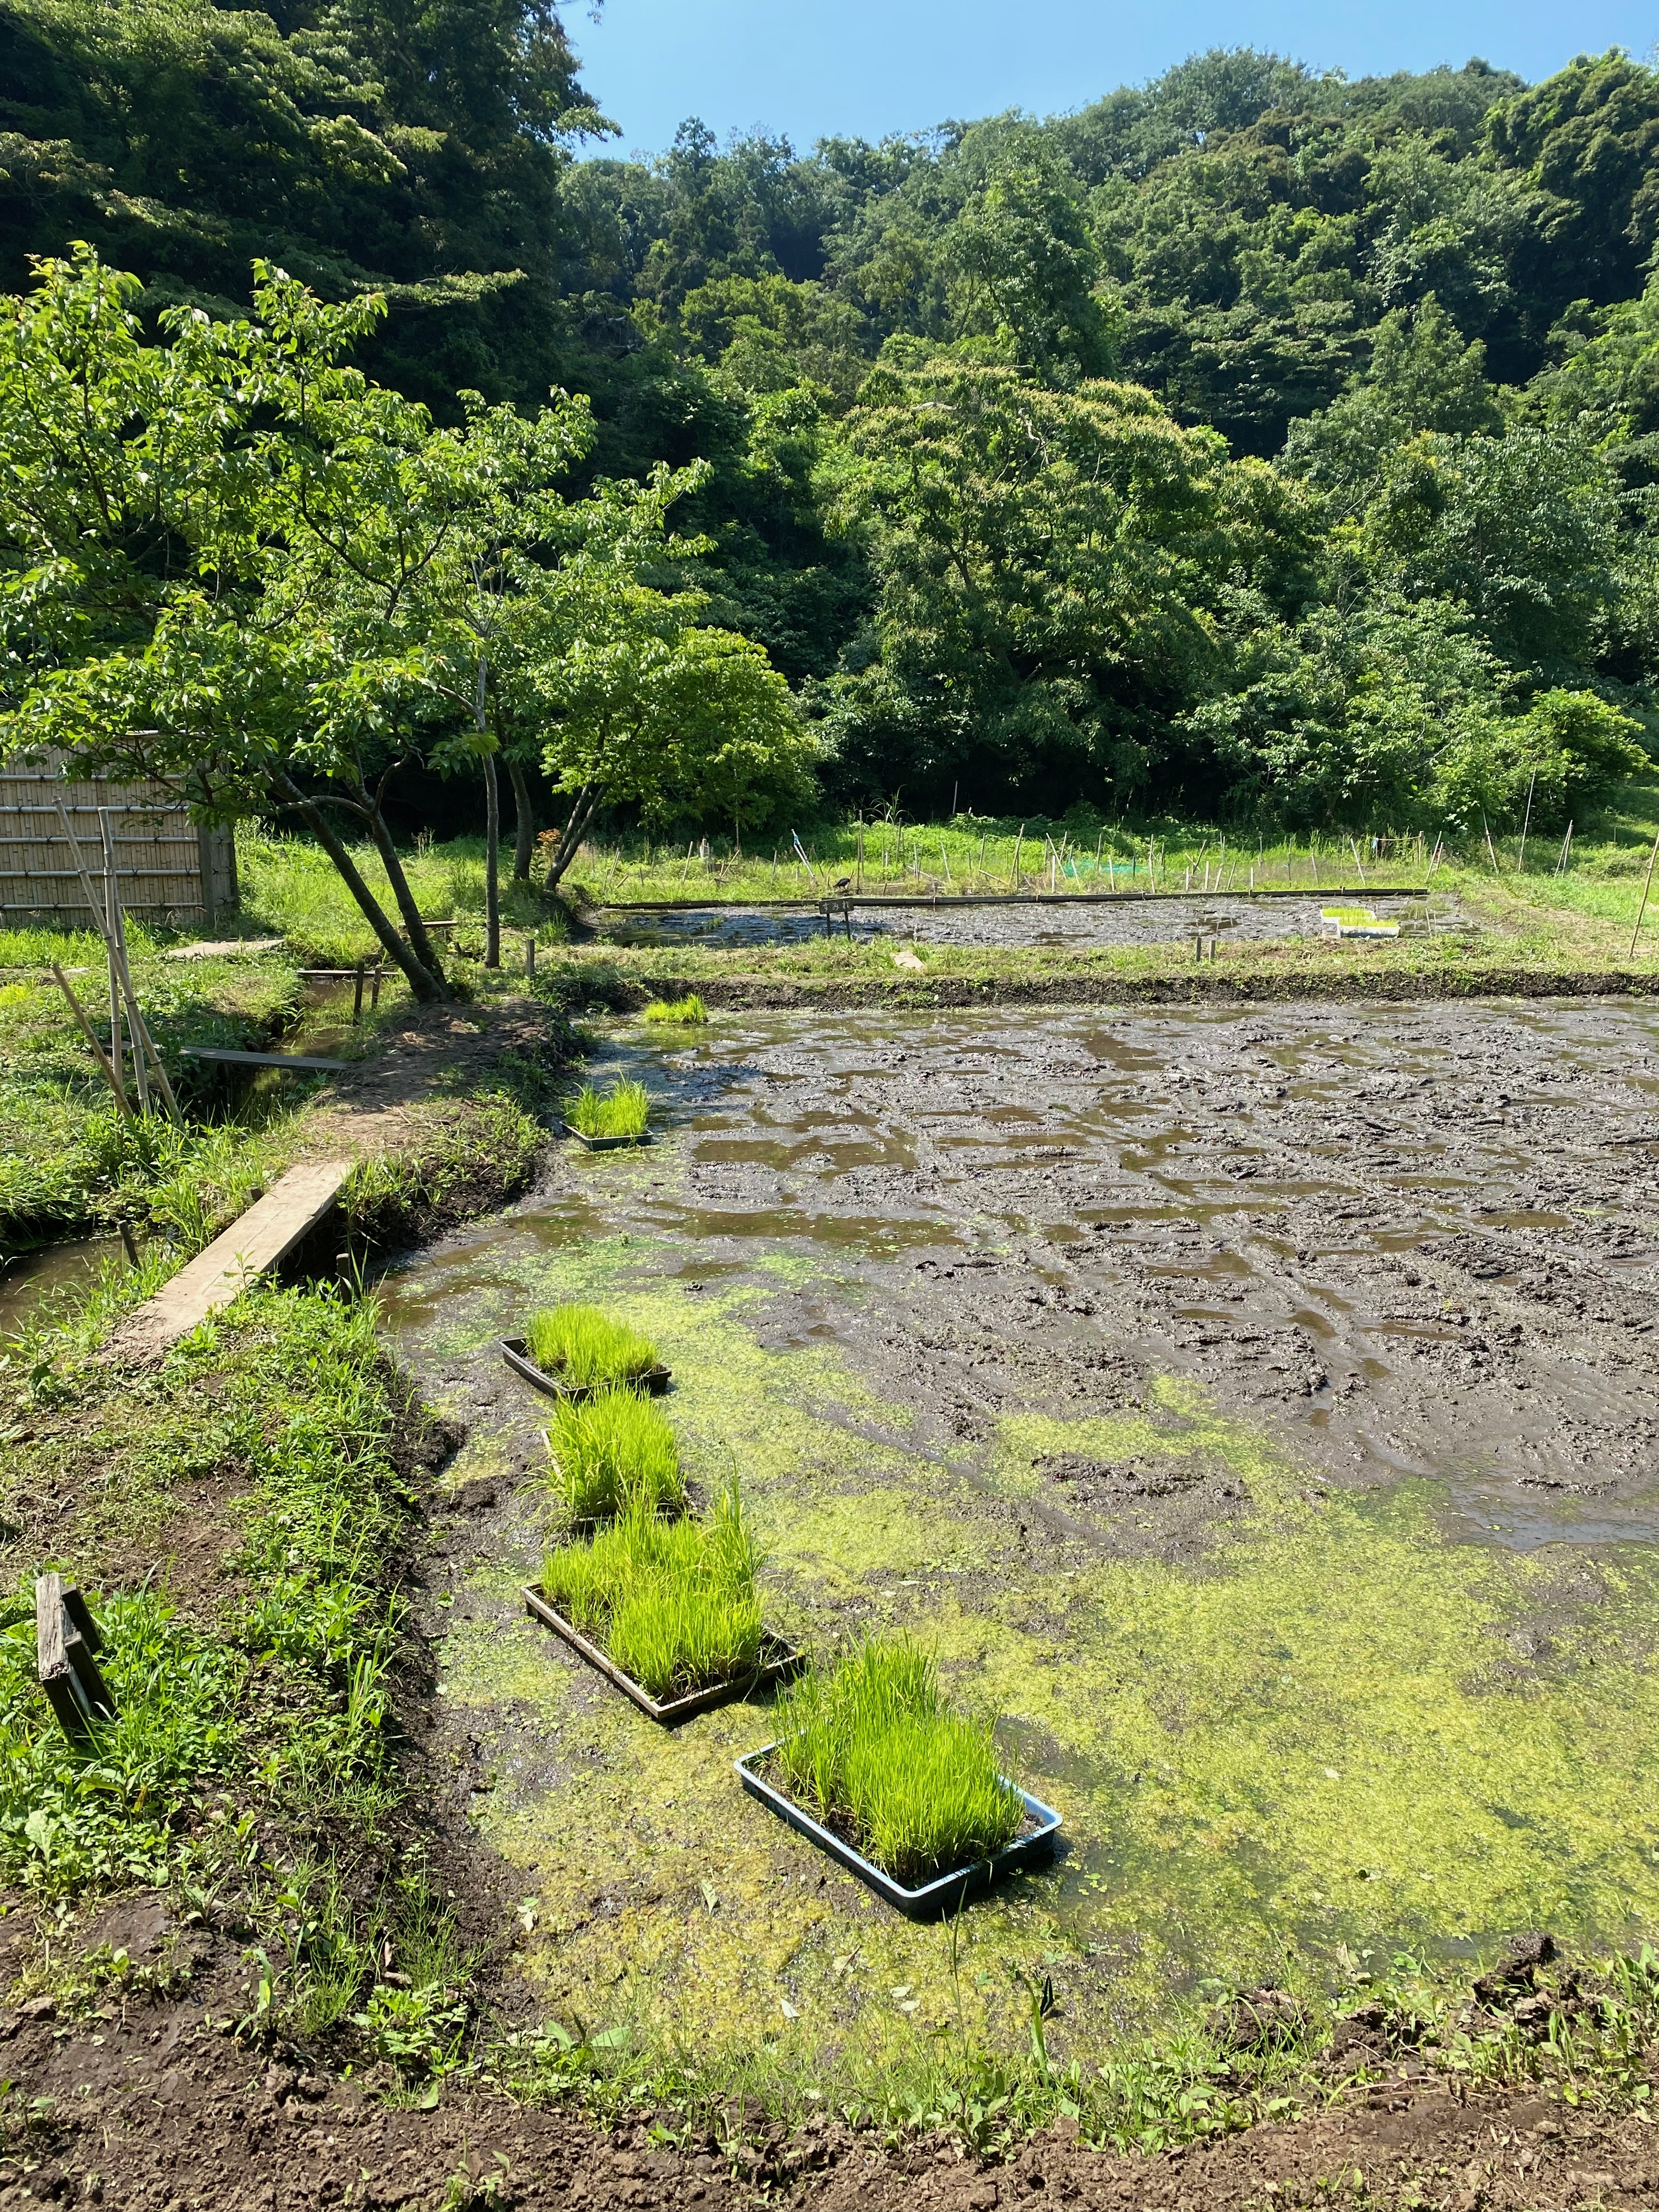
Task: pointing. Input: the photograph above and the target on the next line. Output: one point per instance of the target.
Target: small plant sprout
(584, 1348)
(624, 1110)
(613, 1451)
(873, 1750)
(675, 1603)
(688, 1010)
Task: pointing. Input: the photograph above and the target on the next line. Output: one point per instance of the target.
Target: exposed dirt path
(153, 2110)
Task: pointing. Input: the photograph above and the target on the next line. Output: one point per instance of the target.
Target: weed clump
(624, 1110)
(873, 1750)
(585, 1349)
(675, 1603)
(688, 1010)
(612, 1451)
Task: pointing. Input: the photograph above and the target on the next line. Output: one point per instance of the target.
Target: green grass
(290, 887)
(873, 1748)
(688, 1010)
(612, 1451)
(584, 1348)
(624, 1110)
(674, 1603)
(68, 1161)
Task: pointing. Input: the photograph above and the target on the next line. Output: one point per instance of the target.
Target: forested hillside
(1255, 441)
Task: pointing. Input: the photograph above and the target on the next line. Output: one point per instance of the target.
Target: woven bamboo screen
(170, 871)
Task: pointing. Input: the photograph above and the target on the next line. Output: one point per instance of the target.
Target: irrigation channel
(1257, 1412)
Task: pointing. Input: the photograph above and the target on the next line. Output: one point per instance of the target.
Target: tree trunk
(524, 833)
(428, 986)
(492, 864)
(405, 897)
(581, 815)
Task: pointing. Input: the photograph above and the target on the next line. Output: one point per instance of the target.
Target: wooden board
(308, 1063)
(293, 1206)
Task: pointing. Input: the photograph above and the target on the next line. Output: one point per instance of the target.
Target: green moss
(1322, 1736)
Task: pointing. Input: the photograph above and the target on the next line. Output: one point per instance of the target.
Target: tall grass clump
(614, 1450)
(675, 1603)
(873, 1750)
(687, 1011)
(585, 1349)
(624, 1110)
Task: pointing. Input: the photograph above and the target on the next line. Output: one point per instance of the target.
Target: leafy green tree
(221, 558)
(1045, 562)
(646, 706)
(1421, 376)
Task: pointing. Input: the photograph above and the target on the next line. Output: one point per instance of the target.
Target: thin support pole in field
(1526, 824)
(1491, 851)
(1018, 841)
(115, 938)
(108, 827)
(1566, 847)
(859, 871)
(102, 1056)
(1646, 887)
(1353, 847)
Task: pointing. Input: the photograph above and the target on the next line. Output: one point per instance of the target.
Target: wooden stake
(1646, 887)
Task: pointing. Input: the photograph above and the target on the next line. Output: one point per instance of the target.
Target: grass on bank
(873, 1749)
(584, 1348)
(251, 1673)
(623, 1110)
(612, 1452)
(674, 1603)
(67, 1159)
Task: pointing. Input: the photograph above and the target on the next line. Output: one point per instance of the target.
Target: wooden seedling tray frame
(946, 1891)
(785, 1661)
(606, 1143)
(515, 1350)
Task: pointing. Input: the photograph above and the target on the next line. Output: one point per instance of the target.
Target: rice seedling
(674, 1603)
(585, 1349)
(624, 1110)
(613, 1451)
(688, 1010)
(874, 1750)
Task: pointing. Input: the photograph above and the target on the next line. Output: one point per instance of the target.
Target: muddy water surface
(1257, 1412)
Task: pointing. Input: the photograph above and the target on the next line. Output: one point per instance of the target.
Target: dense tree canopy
(1253, 440)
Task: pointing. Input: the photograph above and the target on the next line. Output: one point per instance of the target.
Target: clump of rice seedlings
(624, 1110)
(874, 1750)
(688, 1009)
(614, 1450)
(674, 1603)
(586, 1349)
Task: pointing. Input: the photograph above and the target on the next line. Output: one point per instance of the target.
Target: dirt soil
(155, 2108)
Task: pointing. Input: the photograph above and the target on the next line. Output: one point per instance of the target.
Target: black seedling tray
(606, 1144)
(785, 1659)
(515, 1350)
(940, 1895)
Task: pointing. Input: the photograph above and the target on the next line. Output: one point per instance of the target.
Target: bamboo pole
(1646, 887)
(106, 827)
(1526, 824)
(114, 938)
(102, 1057)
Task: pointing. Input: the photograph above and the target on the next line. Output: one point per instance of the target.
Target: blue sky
(809, 68)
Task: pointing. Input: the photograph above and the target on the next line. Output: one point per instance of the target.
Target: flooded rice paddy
(1257, 1414)
(1160, 921)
